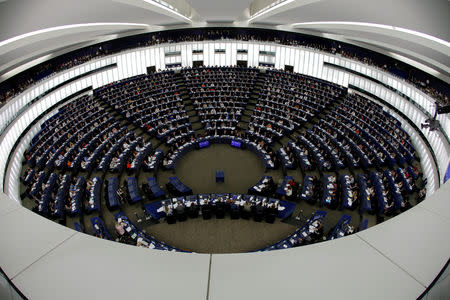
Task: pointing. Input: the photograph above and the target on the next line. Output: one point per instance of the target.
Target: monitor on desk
(236, 144)
(203, 144)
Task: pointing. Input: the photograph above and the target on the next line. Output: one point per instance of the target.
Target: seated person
(272, 208)
(89, 202)
(141, 243)
(422, 194)
(288, 191)
(121, 195)
(259, 212)
(349, 230)
(234, 209)
(114, 162)
(296, 242)
(205, 208)
(192, 209)
(179, 211)
(120, 227)
(89, 184)
(220, 208)
(170, 217)
(405, 205)
(316, 229)
(99, 231)
(246, 210)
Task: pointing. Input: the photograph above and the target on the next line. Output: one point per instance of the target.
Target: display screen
(203, 144)
(235, 144)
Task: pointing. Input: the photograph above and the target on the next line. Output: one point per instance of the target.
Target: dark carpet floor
(197, 169)
(220, 235)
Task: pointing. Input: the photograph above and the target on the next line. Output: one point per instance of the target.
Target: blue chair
(154, 190)
(339, 229)
(100, 228)
(177, 188)
(133, 190)
(289, 208)
(364, 225)
(220, 176)
(78, 227)
(152, 210)
(113, 199)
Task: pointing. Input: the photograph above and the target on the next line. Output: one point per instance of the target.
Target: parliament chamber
(260, 158)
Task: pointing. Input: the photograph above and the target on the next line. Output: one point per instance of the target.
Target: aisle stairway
(328, 109)
(194, 119)
(251, 104)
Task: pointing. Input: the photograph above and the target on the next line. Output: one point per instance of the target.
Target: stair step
(276, 145)
(243, 125)
(197, 126)
(251, 104)
(200, 131)
(246, 118)
(284, 140)
(192, 114)
(192, 120)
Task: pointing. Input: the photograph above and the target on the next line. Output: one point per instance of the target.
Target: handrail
(62, 101)
(10, 283)
(444, 268)
(350, 86)
(23, 108)
(417, 105)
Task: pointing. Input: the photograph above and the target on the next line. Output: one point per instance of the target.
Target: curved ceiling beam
(264, 8)
(35, 48)
(177, 9)
(46, 50)
(406, 56)
(60, 31)
(391, 31)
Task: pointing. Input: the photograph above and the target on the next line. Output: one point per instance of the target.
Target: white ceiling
(431, 17)
(213, 10)
(20, 17)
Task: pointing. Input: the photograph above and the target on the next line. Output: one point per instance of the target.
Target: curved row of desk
(397, 259)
